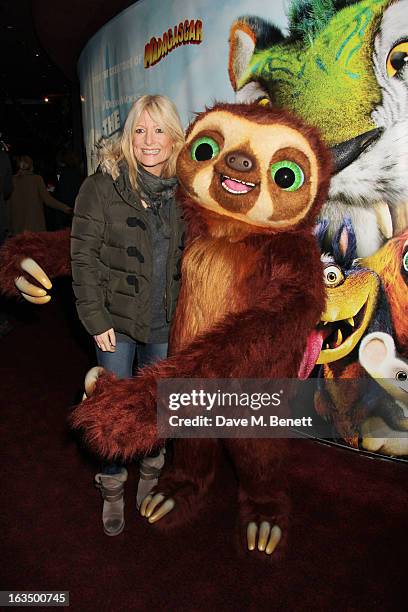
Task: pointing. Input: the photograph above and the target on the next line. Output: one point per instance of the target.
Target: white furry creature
(378, 357)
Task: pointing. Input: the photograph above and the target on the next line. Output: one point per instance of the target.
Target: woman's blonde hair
(163, 112)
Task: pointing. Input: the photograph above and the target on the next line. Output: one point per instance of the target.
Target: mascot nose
(239, 161)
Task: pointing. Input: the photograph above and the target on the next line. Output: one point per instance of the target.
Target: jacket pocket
(110, 289)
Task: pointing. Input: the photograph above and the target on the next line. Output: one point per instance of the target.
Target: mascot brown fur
(253, 180)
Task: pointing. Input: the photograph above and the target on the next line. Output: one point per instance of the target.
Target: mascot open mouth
(332, 340)
(236, 186)
(350, 308)
(336, 333)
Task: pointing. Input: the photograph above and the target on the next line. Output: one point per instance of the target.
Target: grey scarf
(158, 193)
(155, 190)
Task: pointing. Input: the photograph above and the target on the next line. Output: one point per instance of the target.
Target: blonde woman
(27, 199)
(126, 245)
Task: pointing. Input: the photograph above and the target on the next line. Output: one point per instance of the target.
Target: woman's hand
(106, 341)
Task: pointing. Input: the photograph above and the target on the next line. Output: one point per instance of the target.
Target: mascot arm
(267, 340)
(32, 253)
(119, 420)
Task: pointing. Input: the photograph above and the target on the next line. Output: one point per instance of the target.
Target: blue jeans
(121, 363)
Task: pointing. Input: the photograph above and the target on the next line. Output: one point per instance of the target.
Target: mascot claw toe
(265, 538)
(155, 506)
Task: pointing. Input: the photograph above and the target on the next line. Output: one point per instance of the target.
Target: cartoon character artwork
(342, 68)
(381, 433)
(253, 180)
(355, 306)
(391, 264)
(386, 429)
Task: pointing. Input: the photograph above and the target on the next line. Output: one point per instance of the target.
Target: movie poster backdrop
(177, 48)
(344, 68)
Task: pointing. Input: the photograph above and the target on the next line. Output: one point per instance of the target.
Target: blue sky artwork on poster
(195, 73)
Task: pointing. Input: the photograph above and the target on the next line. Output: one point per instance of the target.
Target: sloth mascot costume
(252, 182)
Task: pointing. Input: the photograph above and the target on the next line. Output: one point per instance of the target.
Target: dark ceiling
(40, 42)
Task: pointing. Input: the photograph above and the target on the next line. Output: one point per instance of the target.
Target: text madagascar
(187, 32)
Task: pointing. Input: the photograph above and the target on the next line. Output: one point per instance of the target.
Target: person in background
(69, 181)
(126, 245)
(27, 199)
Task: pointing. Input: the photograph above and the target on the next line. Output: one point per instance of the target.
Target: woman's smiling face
(151, 145)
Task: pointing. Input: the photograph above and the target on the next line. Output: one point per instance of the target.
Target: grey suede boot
(150, 468)
(112, 488)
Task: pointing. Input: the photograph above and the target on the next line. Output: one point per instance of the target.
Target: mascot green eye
(204, 148)
(287, 175)
(405, 262)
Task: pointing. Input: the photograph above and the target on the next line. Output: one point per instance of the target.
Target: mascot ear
(345, 244)
(247, 34)
(376, 350)
(320, 230)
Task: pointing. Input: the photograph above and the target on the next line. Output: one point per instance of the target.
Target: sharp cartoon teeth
(339, 331)
(339, 338)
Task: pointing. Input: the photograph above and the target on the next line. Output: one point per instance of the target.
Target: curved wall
(192, 67)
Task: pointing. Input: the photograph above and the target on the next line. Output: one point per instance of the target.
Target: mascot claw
(33, 293)
(150, 503)
(90, 381)
(268, 537)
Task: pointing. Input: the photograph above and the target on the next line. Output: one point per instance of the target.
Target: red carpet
(347, 543)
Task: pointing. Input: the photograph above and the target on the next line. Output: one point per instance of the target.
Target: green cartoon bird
(343, 67)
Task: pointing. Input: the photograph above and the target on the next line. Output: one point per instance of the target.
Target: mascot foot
(265, 538)
(155, 506)
(188, 498)
(266, 523)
